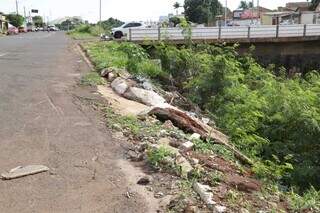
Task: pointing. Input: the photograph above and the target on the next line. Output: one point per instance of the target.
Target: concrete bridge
(240, 34)
(296, 47)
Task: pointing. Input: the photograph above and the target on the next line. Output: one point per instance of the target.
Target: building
(3, 24)
(249, 16)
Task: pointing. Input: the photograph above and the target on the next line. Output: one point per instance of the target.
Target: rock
(185, 166)
(191, 209)
(118, 135)
(205, 120)
(194, 161)
(144, 180)
(168, 125)
(187, 146)
(143, 96)
(165, 142)
(136, 157)
(117, 127)
(24, 171)
(147, 85)
(219, 209)
(243, 184)
(243, 210)
(120, 85)
(159, 195)
(195, 136)
(111, 76)
(205, 193)
(104, 72)
(149, 188)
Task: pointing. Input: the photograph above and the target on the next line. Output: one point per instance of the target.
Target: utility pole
(100, 14)
(225, 13)
(17, 7)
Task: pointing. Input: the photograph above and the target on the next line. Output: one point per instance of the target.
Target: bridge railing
(217, 33)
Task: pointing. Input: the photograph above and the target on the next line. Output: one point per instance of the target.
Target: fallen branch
(193, 125)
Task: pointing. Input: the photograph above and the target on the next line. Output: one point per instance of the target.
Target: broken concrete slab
(186, 146)
(205, 193)
(147, 97)
(120, 85)
(23, 171)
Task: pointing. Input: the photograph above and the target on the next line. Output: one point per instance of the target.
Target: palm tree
(176, 6)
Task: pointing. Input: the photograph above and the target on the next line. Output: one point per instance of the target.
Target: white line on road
(3, 54)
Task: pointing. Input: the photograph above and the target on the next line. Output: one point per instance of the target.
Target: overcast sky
(126, 10)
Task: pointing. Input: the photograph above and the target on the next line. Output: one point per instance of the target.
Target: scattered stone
(24, 171)
(142, 147)
(111, 76)
(191, 209)
(159, 195)
(149, 188)
(243, 210)
(220, 209)
(205, 120)
(195, 136)
(136, 157)
(147, 85)
(116, 127)
(145, 180)
(243, 184)
(187, 146)
(185, 166)
(168, 125)
(104, 72)
(118, 135)
(194, 161)
(143, 96)
(120, 85)
(205, 193)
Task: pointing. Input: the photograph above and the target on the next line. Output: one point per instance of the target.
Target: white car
(123, 30)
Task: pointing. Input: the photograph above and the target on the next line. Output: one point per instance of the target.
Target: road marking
(3, 54)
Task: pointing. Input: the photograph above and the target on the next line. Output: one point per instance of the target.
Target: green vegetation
(15, 20)
(272, 118)
(82, 31)
(202, 11)
(92, 79)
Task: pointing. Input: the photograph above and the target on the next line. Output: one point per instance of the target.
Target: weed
(156, 157)
(308, 202)
(92, 79)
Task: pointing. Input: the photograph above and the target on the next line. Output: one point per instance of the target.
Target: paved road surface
(42, 123)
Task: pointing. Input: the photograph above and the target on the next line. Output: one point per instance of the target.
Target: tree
(110, 23)
(37, 21)
(245, 5)
(314, 4)
(202, 11)
(176, 6)
(15, 20)
(175, 20)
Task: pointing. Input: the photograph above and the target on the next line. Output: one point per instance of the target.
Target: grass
(308, 202)
(81, 36)
(92, 79)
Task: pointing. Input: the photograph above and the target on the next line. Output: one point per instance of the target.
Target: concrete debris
(159, 195)
(147, 97)
(205, 193)
(220, 209)
(195, 136)
(185, 166)
(168, 125)
(187, 146)
(205, 120)
(24, 171)
(145, 180)
(120, 85)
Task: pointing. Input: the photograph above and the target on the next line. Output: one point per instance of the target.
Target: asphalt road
(42, 123)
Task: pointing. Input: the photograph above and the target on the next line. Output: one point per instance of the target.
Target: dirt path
(44, 121)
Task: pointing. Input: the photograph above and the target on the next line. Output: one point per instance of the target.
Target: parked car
(12, 30)
(123, 30)
(22, 30)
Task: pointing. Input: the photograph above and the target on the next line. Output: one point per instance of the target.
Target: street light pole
(100, 13)
(225, 13)
(17, 7)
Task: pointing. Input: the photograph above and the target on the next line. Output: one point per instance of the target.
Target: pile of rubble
(141, 90)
